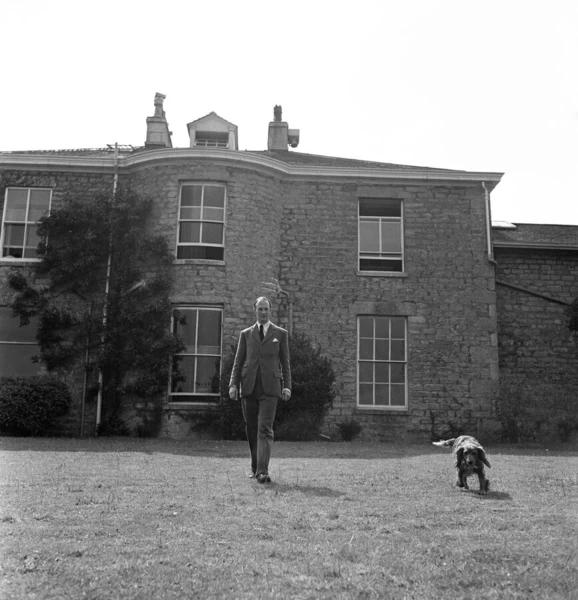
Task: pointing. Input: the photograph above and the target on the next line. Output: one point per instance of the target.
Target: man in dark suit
(262, 371)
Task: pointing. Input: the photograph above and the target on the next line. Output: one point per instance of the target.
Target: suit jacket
(270, 357)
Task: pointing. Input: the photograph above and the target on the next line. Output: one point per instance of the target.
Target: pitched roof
(80, 152)
(296, 162)
(317, 160)
(529, 235)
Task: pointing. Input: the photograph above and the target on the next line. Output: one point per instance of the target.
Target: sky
(479, 86)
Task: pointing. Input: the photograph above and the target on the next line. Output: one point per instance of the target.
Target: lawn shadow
(307, 490)
(491, 495)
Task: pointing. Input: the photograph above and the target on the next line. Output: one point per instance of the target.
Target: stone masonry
(302, 230)
(538, 355)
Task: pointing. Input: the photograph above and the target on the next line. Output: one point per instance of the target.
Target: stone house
(536, 280)
(390, 269)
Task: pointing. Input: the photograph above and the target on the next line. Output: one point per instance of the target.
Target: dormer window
(212, 139)
(212, 131)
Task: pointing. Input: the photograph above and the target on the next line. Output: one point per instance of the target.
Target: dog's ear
(459, 457)
(482, 455)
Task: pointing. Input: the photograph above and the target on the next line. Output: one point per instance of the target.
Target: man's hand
(286, 394)
(233, 393)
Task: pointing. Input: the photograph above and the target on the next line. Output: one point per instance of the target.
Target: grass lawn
(159, 519)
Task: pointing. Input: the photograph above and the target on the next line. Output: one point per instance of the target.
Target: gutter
(245, 158)
(489, 225)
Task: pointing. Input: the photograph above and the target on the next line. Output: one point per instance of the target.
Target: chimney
(158, 134)
(280, 136)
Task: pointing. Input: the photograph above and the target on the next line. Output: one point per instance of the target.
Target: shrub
(349, 430)
(28, 405)
(232, 422)
(300, 427)
(311, 395)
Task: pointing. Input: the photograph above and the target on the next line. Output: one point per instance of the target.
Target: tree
(105, 279)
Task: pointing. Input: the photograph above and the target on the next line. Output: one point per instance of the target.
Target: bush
(349, 430)
(311, 396)
(300, 427)
(28, 405)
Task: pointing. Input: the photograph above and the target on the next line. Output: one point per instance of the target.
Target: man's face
(262, 310)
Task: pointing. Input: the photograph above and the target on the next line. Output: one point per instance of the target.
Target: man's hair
(259, 300)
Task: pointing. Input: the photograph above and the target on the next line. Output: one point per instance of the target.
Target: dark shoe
(263, 478)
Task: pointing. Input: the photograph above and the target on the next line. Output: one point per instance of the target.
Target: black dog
(470, 460)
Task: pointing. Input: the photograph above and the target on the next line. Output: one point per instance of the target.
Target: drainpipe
(106, 294)
(85, 379)
(489, 226)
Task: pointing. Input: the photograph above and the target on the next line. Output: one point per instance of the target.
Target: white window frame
(380, 255)
(201, 220)
(212, 139)
(389, 361)
(12, 346)
(27, 223)
(188, 397)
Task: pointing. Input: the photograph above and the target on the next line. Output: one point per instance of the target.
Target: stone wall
(447, 295)
(304, 233)
(538, 355)
(62, 183)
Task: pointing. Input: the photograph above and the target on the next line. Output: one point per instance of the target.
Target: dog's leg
(484, 483)
(462, 480)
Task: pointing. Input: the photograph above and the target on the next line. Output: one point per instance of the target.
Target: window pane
(382, 395)
(397, 373)
(32, 241)
(214, 196)
(381, 349)
(366, 349)
(379, 207)
(10, 330)
(382, 327)
(14, 235)
(382, 372)
(16, 360)
(366, 327)
(187, 368)
(207, 252)
(365, 394)
(188, 331)
(397, 350)
(39, 204)
(398, 328)
(398, 395)
(16, 205)
(366, 372)
(209, 339)
(207, 374)
(191, 195)
(191, 212)
(389, 266)
(213, 214)
(212, 233)
(390, 237)
(369, 236)
(29, 252)
(190, 232)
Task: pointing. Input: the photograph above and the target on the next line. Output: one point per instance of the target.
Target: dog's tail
(445, 443)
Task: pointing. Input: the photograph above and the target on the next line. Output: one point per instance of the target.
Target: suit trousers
(259, 413)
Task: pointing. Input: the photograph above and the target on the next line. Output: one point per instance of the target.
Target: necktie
(261, 334)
